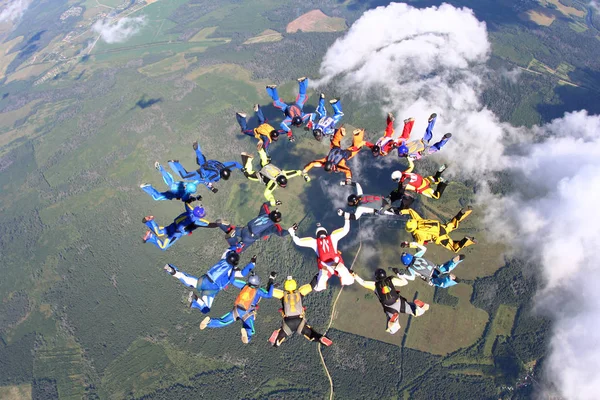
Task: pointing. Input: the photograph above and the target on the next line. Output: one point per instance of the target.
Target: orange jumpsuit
(336, 143)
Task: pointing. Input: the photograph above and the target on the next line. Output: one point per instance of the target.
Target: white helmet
(396, 175)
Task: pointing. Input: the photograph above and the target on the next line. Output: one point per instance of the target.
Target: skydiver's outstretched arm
(316, 163)
(411, 274)
(411, 166)
(338, 234)
(303, 242)
(278, 293)
(271, 186)
(291, 173)
(275, 230)
(243, 273)
(421, 251)
(264, 209)
(342, 167)
(413, 214)
(366, 284)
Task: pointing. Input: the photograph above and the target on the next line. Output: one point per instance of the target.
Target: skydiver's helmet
(380, 274)
(411, 225)
(274, 135)
(225, 173)
(407, 258)
(191, 187)
(376, 149)
(353, 200)
(275, 216)
(321, 232)
(199, 212)
(232, 258)
(328, 166)
(402, 151)
(297, 120)
(254, 280)
(397, 176)
(318, 134)
(281, 181)
(290, 284)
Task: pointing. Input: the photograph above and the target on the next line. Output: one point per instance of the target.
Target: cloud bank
(120, 31)
(14, 10)
(418, 61)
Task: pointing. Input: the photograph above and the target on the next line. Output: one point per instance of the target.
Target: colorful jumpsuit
(417, 183)
(393, 304)
(436, 275)
(386, 143)
(421, 148)
(262, 132)
(430, 230)
(370, 204)
(245, 308)
(336, 155)
(329, 259)
(267, 174)
(261, 227)
(177, 189)
(294, 320)
(324, 123)
(294, 110)
(209, 171)
(184, 224)
(218, 277)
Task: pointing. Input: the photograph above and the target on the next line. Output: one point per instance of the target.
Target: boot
(438, 173)
(322, 95)
(241, 114)
(195, 145)
(447, 136)
(464, 213)
(245, 158)
(440, 189)
(157, 165)
(391, 117)
(204, 323)
(256, 107)
(431, 117)
(301, 79)
(170, 269)
(271, 86)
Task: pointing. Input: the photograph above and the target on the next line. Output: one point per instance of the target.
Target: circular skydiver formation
(325, 244)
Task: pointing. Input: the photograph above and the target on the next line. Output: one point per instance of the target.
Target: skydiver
(264, 132)
(416, 149)
(386, 143)
(261, 227)
(294, 314)
(218, 277)
(373, 204)
(329, 259)
(184, 224)
(179, 190)
(210, 171)
(431, 230)
(244, 307)
(417, 183)
(269, 175)
(336, 159)
(293, 113)
(385, 287)
(325, 126)
(433, 274)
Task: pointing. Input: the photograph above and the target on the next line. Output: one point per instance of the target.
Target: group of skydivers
(325, 244)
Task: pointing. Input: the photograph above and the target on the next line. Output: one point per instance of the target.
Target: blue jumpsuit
(327, 125)
(184, 224)
(247, 316)
(293, 110)
(437, 275)
(420, 148)
(261, 227)
(209, 171)
(218, 277)
(177, 189)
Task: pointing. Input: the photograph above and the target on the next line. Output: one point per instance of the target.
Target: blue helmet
(407, 258)
(199, 212)
(402, 151)
(191, 187)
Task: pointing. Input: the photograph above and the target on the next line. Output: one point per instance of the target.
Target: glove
(396, 271)
(278, 202)
(253, 259)
(340, 212)
(346, 215)
(342, 183)
(306, 177)
(273, 276)
(291, 138)
(214, 190)
(348, 181)
(404, 244)
(195, 145)
(295, 226)
(198, 198)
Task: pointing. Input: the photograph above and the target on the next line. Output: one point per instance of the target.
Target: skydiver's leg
(450, 264)
(337, 111)
(269, 196)
(302, 88)
(465, 242)
(208, 291)
(345, 276)
(232, 165)
(310, 333)
(292, 323)
(438, 146)
(342, 167)
(389, 127)
(241, 119)
(277, 102)
(182, 172)
(248, 169)
(169, 241)
(321, 110)
(264, 159)
(429, 130)
(315, 163)
(458, 218)
(200, 159)
(156, 195)
(408, 125)
(167, 177)
(225, 320)
(443, 282)
(319, 282)
(259, 115)
(185, 278)
(248, 326)
(154, 227)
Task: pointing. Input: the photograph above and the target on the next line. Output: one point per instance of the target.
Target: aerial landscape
(97, 95)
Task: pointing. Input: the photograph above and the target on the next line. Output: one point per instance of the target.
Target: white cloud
(418, 61)
(120, 31)
(14, 10)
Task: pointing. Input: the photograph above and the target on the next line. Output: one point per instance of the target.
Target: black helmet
(376, 149)
(225, 173)
(254, 280)
(380, 274)
(328, 166)
(232, 258)
(353, 200)
(281, 181)
(297, 120)
(275, 216)
(274, 135)
(318, 134)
